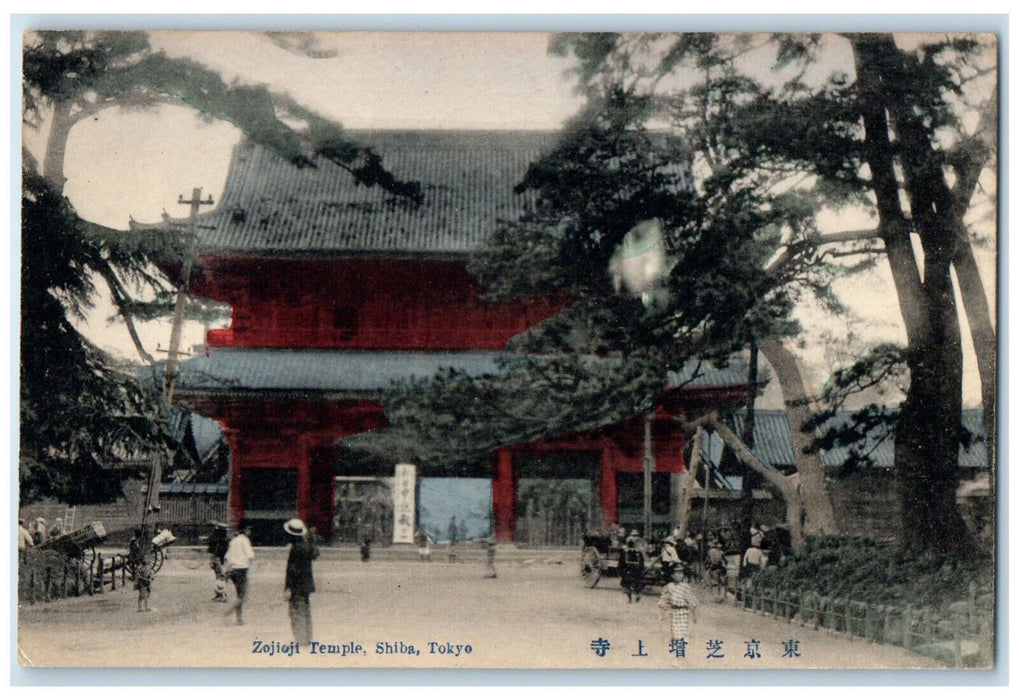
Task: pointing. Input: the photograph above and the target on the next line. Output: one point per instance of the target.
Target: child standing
(489, 558)
(218, 544)
(680, 603)
(143, 582)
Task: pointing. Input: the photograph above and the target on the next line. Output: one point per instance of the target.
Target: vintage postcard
(508, 350)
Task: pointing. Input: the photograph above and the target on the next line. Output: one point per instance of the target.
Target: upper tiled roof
(272, 207)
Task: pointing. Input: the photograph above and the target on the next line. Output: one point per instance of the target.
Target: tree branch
(120, 297)
(817, 240)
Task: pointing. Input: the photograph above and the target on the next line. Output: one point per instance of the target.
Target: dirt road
(408, 614)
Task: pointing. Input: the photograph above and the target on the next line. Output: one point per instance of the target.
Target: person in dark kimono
(631, 569)
(143, 582)
(299, 580)
(218, 544)
(135, 553)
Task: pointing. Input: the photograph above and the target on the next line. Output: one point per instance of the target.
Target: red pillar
(607, 491)
(504, 497)
(302, 457)
(319, 510)
(236, 503)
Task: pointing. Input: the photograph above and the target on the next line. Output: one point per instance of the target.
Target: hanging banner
(403, 504)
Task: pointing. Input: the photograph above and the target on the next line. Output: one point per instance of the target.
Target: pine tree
(81, 413)
(887, 132)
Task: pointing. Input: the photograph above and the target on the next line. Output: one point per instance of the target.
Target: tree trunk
(56, 145)
(689, 481)
(787, 487)
(968, 169)
(926, 443)
(985, 343)
(817, 506)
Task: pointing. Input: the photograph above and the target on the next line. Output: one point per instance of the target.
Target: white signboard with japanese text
(403, 504)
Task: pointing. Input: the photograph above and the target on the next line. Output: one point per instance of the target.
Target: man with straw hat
(299, 580)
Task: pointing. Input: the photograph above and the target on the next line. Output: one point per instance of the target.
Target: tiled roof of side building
(773, 441)
(177, 488)
(700, 375)
(207, 434)
(271, 207)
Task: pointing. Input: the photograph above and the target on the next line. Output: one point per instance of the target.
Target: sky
(123, 165)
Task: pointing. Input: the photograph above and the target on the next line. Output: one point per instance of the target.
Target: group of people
(677, 599)
(231, 559)
(677, 555)
(37, 533)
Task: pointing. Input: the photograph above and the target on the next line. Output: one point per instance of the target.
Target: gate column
(235, 500)
(504, 497)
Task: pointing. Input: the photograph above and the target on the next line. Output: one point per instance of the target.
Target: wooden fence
(541, 530)
(190, 517)
(964, 639)
(54, 575)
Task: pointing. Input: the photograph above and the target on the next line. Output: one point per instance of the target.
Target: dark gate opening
(630, 501)
(269, 496)
(363, 510)
(556, 496)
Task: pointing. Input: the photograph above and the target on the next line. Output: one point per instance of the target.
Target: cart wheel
(590, 566)
(155, 559)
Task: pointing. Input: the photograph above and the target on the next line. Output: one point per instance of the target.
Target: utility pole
(173, 358)
(704, 518)
(747, 493)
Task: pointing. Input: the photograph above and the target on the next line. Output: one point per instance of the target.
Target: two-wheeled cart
(154, 556)
(79, 545)
(599, 557)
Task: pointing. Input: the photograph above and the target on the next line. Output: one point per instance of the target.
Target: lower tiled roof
(363, 371)
(245, 369)
(883, 453)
